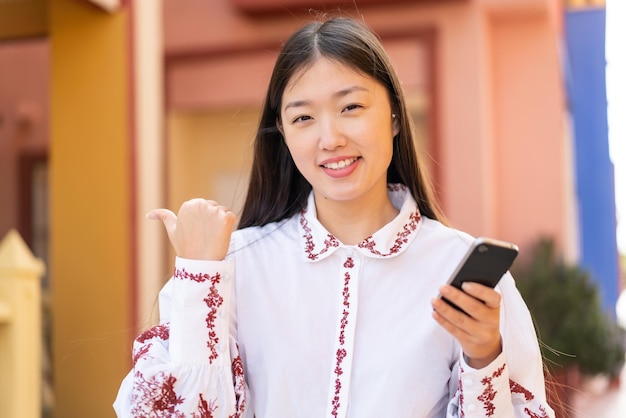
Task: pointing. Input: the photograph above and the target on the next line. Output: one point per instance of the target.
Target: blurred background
(109, 108)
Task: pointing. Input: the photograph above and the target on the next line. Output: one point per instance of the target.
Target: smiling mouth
(338, 165)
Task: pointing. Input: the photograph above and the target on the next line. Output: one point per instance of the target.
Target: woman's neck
(353, 221)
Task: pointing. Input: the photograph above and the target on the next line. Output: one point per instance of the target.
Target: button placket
(339, 387)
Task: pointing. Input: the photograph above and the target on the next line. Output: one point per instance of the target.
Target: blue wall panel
(586, 88)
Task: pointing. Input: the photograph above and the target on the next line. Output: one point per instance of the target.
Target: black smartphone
(486, 261)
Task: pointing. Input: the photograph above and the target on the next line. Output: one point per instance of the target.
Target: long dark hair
(277, 190)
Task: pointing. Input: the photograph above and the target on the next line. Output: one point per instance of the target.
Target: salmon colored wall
(531, 147)
(24, 118)
(90, 231)
(504, 127)
(499, 90)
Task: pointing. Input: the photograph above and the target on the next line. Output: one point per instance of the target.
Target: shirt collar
(389, 241)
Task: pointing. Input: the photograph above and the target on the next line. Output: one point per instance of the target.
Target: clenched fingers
(201, 230)
(477, 326)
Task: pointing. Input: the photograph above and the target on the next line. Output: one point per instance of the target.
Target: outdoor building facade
(119, 107)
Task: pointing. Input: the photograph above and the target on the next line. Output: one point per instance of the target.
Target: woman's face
(338, 126)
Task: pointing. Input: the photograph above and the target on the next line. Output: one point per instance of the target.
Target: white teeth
(340, 164)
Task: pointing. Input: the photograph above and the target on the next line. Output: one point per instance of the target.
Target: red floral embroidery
(155, 397)
(329, 242)
(341, 352)
(489, 393)
(205, 409)
(349, 263)
(532, 414)
(461, 398)
(183, 274)
(240, 386)
(213, 300)
(528, 396)
(517, 388)
(402, 237)
(141, 352)
(346, 312)
(160, 331)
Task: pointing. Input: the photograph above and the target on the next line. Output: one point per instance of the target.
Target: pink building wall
(24, 119)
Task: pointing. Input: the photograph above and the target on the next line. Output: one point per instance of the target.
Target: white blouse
(296, 324)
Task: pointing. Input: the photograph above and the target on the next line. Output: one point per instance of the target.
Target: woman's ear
(395, 124)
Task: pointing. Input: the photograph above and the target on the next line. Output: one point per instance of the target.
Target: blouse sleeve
(189, 364)
(513, 384)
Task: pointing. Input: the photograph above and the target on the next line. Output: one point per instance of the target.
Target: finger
(166, 216)
(229, 217)
(226, 216)
(486, 294)
(450, 313)
(459, 298)
(493, 304)
(454, 321)
(477, 340)
(472, 307)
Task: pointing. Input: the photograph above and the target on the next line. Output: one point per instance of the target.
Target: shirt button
(222, 313)
(471, 407)
(468, 382)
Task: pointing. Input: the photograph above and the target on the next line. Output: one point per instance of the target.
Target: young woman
(323, 302)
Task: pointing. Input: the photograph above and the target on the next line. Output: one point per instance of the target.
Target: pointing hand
(200, 231)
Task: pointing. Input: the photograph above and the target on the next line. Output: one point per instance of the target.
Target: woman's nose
(331, 136)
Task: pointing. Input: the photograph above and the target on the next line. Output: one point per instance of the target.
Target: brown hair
(277, 190)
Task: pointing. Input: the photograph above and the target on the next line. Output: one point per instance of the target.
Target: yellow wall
(89, 206)
(210, 155)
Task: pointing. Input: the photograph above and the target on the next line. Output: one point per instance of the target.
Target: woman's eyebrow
(338, 94)
(348, 90)
(297, 103)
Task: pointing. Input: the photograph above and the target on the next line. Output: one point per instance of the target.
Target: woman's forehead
(324, 74)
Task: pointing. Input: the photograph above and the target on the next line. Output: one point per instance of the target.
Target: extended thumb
(164, 215)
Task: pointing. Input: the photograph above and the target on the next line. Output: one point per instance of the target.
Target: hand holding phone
(486, 261)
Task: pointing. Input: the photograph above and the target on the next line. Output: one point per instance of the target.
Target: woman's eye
(351, 107)
(302, 118)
